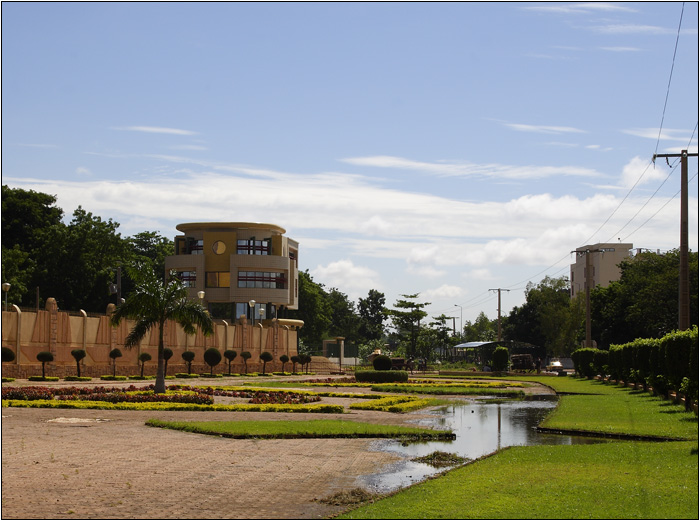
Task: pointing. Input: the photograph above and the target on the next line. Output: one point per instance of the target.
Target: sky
(444, 149)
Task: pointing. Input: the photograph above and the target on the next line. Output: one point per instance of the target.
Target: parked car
(555, 365)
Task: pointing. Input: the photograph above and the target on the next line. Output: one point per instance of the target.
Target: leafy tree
(212, 357)
(266, 357)
(481, 330)
(406, 319)
(345, 321)
(245, 355)
(114, 354)
(26, 215)
(500, 359)
(154, 302)
(152, 248)
(314, 310)
(167, 355)
(143, 358)
(78, 354)
(549, 318)
(44, 357)
(295, 360)
(284, 359)
(230, 355)
(188, 356)
(365, 350)
(8, 355)
(644, 302)
(372, 316)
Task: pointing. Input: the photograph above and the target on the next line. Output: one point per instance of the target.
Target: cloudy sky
(436, 148)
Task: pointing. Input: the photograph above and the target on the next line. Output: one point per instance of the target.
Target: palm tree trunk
(160, 374)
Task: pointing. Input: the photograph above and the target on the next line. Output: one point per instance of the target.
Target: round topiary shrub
(43, 357)
(500, 359)
(8, 355)
(212, 357)
(188, 356)
(382, 363)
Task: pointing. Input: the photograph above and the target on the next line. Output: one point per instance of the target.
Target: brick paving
(78, 464)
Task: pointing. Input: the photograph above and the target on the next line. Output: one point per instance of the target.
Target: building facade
(603, 261)
(243, 269)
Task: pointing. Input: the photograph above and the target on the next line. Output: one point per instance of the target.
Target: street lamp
(251, 303)
(6, 289)
(461, 324)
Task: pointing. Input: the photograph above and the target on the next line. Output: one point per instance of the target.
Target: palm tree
(151, 304)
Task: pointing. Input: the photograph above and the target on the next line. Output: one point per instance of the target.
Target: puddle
(77, 420)
(481, 427)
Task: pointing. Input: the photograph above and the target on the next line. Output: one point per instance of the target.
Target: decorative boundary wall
(28, 333)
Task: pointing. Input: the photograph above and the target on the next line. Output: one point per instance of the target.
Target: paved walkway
(78, 464)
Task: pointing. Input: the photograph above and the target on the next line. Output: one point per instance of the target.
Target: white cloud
(579, 8)
(465, 169)
(543, 129)
(642, 170)
(620, 49)
(195, 148)
(83, 171)
(158, 130)
(673, 134)
(353, 280)
(444, 291)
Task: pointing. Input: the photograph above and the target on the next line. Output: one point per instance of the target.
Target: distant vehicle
(555, 365)
(522, 363)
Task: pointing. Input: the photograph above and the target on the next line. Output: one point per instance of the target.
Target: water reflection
(481, 428)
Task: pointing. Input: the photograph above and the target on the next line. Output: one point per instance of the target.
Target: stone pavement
(78, 464)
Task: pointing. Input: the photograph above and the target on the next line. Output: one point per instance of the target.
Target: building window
(262, 279)
(218, 279)
(218, 247)
(188, 278)
(194, 247)
(253, 247)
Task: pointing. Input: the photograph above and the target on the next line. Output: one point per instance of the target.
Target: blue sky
(433, 148)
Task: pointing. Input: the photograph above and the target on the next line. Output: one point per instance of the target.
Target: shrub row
(667, 363)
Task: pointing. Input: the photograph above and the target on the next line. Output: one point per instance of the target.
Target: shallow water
(481, 427)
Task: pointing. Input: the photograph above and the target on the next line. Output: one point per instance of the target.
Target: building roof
(185, 227)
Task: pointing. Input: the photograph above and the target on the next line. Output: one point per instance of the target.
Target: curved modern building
(236, 263)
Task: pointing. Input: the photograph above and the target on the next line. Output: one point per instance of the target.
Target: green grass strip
(617, 480)
(626, 412)
(161, 406)
(302, 429)
(447, 389)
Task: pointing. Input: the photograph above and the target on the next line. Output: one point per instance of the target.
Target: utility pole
(684, 277)
(499, 309)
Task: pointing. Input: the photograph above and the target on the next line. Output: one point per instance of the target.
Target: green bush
(266, 357)
(381, 376)
(230, 355)
(77, 378)
(44, 357)
(382, 363)
(583, 361)
(600, 361)
(78, 355)
(188, 356)
(113, 378)
(500, 359)
(43, 378)
(186, 375)
(212, 357)
(8, 355)
(7, 379)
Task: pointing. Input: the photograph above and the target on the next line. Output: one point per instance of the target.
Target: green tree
(230, 355)
(644, 302)
(167, 355)
(548, 318)
(245, 355)
(284, 359)
(266, 357)
(314, 310)
(500, 359)
(114, 354)
(345, 321)
(44, 357)
(188, 356)
(143, 358)
(212, 357)
(406, 317)
(481, 330)
(372, 316)
(78, 355)
(151, 304)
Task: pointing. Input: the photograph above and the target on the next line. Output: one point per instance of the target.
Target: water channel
(481, 427)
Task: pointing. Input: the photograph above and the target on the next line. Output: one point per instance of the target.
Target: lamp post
(6, 289)
(461, 324)
(251, 303)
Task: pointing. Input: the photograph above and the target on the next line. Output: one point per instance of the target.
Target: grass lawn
(302, 429)
(616, 480)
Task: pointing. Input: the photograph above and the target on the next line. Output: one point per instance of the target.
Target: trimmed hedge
(381, 376)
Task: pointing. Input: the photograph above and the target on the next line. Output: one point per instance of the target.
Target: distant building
(236, 262)
(604, 259)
